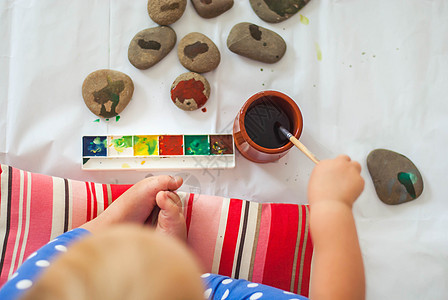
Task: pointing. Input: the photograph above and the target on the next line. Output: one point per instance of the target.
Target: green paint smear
(304, 20)
(408, 180)
(97, 121)
(98, 141)
(122, 143)
(117, 118)
(318, 52)
(285, 7)
(145, 145)
(197, 145)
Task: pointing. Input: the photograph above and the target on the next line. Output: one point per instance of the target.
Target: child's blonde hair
(124, 262)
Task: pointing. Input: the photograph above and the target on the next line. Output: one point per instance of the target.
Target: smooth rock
(166, 12)
(198, 53)
(190, 91)
(396, 179)
(256, 42)
(150, 46)
(107, 92)
(275, 11)
(211, 8)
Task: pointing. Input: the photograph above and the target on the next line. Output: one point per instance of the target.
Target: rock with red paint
(256, 42)
(190, 91)
(150, 46)
(166, 12)
(107, 92)
(198, 53)
(275, 11)
(211, 8)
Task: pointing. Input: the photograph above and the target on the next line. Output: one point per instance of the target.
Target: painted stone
(256, 42)
(396, 179)
(211, 8)
(107, 92)
(190, 91)
(150, 46)
(166, 12)
(198, 53)
(275, 11)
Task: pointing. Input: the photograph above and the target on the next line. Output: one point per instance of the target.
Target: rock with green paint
(198, 53)
(166, 12)
(107, 92)
(396, 179)
(275, 11)
(150, 46)
(256, 42)
(211, 8)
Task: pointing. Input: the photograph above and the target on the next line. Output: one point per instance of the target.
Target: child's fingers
(169, 203)
(164, 183)
(357, 166)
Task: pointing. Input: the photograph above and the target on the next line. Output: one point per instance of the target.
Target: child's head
(124, 262)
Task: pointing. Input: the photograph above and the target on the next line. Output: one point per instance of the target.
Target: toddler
(114, 257)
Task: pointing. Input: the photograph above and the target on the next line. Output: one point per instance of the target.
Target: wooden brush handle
(304, 149)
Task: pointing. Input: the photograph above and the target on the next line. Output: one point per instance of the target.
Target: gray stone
(211, 8)
(396, 179)
(275, 11)
(198, 53)
(107, 92)
(190, 91)
(150, 46)
(256, 42)
(166, 12)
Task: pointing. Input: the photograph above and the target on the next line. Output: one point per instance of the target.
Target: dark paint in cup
(255, 132)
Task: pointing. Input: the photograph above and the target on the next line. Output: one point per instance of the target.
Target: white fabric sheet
(381, 83)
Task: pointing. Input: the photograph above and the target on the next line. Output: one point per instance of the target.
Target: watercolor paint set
(134, 152)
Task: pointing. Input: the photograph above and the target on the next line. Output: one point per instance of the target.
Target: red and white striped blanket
(263, 242)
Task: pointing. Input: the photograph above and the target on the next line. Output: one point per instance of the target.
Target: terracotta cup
(247, 147)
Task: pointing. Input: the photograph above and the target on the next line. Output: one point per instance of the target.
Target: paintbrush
(296, 142)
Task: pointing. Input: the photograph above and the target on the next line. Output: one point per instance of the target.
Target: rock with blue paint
(395, 177)
(166, 12)
(107, 92)
(150, 46)
(256, 42)
(275, 11)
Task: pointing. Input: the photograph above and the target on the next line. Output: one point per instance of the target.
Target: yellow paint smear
(318, 52)
(143, 162)
(125, 166)
(304, 20)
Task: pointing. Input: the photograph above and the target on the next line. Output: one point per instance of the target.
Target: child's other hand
(171, 220)
(337, 179)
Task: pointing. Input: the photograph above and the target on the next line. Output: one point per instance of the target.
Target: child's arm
(338, 271)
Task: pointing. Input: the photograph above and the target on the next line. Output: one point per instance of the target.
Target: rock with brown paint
(150, 46)
(166, 12)
(211, 8)
(256, 42)
(190, 91)
(275, 11)
(198, 53)
(396, 179)
(107, 92)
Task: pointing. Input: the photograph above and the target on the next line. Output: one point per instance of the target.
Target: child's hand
(338, 179)
(171, 220)
(136, 204)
